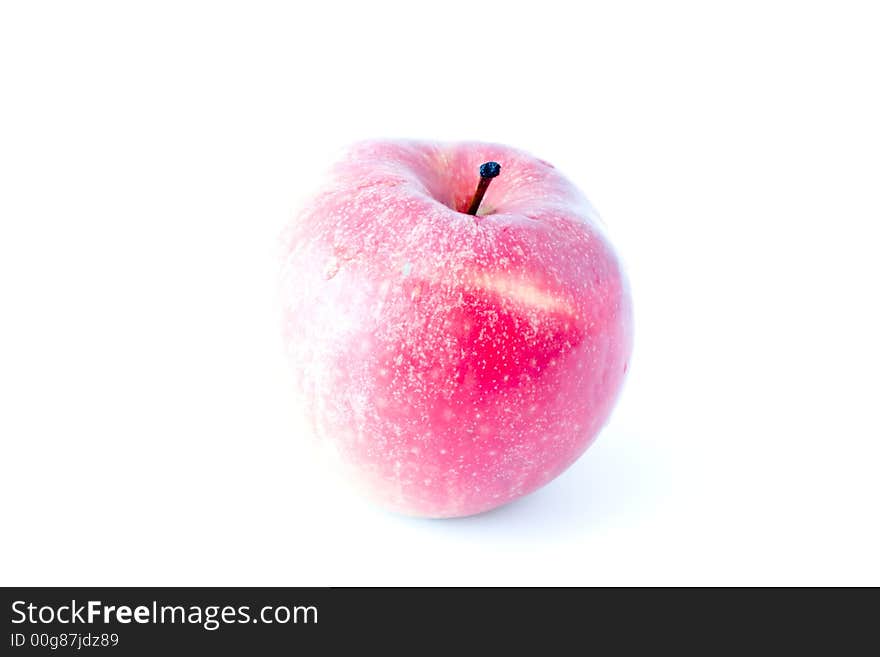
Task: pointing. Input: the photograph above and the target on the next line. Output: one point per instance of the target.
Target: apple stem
(487, 171)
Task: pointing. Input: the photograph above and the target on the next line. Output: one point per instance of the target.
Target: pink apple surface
(453, 362)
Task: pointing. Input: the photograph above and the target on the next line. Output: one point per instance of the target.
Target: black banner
(150, 621)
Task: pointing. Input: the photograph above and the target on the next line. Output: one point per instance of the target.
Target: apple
(457, 349)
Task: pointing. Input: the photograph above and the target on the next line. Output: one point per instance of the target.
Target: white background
(150, 153)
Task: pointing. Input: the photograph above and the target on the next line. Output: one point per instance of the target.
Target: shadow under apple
(619, 480)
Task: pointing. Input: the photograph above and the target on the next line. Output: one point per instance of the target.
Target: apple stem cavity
(488, 170)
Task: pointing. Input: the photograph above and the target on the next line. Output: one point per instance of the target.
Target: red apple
(454, 361)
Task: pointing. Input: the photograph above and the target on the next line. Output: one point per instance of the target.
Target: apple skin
(453, 362)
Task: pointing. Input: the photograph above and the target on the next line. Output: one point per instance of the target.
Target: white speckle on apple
(331, 268)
